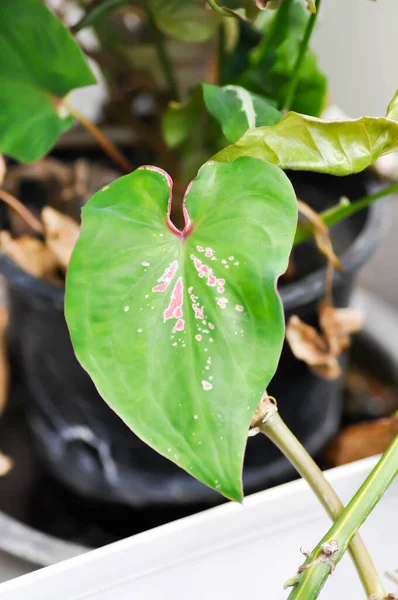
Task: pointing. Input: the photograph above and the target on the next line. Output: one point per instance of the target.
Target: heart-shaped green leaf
(40, 63)
(309, 144)
(182, 331)
(236, 110)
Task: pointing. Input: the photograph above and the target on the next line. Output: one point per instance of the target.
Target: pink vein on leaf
(166, 278)
(174, 309)
(204, 271)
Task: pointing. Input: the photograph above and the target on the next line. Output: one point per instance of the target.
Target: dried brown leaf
(320, 232)
(362, 440)
(61, 233)
(308, 345)
(338, 324)
(321, 351)
(30, 254)
(3, 169)
(6, 464)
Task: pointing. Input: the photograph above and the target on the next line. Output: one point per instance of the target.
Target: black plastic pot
(87, 447)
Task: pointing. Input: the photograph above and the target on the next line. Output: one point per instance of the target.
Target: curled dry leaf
(338, 324)
(4, 365)
(321, 350)
(362, 440)
(308, 345)
(6, 464)
(320, 232)
(3, 169)
(61, 233)
(30, 254)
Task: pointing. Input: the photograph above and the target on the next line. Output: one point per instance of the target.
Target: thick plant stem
(268, 421)
(291, 91)
(322, 561)
(106, 144)
(163, 56)
(342, 211)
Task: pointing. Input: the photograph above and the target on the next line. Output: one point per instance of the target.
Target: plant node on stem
(267, 420)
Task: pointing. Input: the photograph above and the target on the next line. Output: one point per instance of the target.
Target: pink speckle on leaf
(179, 326)
(211, 326)
(204, 271)
(198, 337)
(239, 308)
(174, 309)
(222, 303)
(206, 385)
(198, 311)
(209, 252)
(166, 278)
(200, 248)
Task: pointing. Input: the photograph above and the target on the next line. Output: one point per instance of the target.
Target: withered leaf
(3, 169)
(30, 254)
(6, 464)
(308, 345)
(362, 440)
(338, 324)
(61, 233)
(321, 350)
(320, 232)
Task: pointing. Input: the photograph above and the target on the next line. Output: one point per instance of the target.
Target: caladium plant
(188, 326)
(181, 329)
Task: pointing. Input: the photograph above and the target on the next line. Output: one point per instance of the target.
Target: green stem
(96, 13)
(312, 579)
(219, 10)
(303, 49)
(221, 53)
(271, 424)
(163, 55)
(342, 211)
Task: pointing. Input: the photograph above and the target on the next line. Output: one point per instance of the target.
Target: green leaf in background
(273, 61)
(40, 63)
(187, 20)
(180, 118)
(309, 144)
(235, 109)
(238, 110)
(182, 331)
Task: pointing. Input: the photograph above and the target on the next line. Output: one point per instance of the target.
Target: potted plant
(175, 316)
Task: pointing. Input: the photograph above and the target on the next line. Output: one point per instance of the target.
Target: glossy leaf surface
(310, 144)
(181, 332)
(238, 110)
(40, 63)
(235, 109)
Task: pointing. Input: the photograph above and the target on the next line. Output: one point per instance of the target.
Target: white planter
(231, 552)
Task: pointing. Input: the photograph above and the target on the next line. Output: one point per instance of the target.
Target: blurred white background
(357, 45)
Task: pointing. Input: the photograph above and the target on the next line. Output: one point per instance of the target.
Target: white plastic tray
(231, 552)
